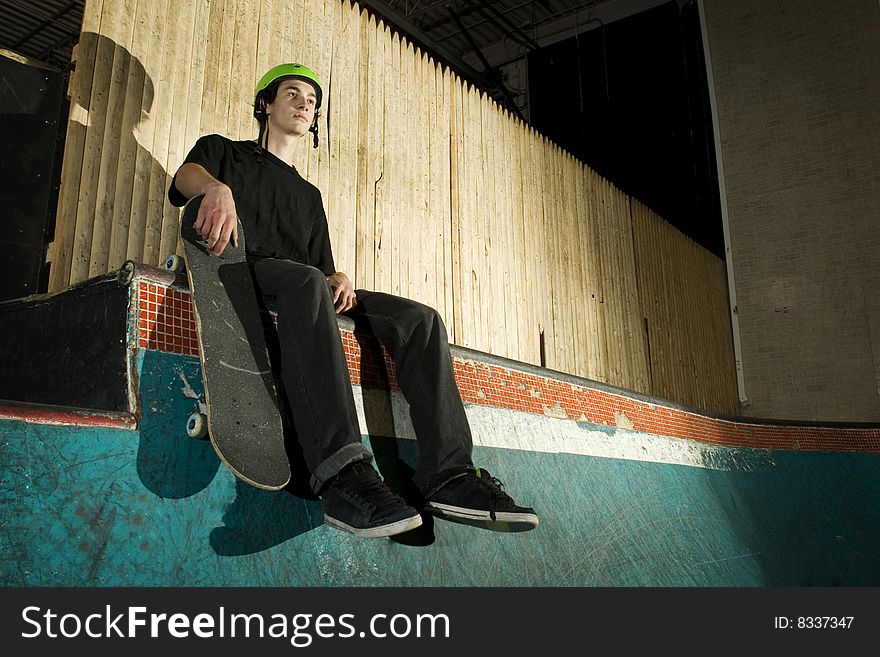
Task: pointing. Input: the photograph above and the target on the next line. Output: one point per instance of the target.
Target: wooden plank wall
(432, 191)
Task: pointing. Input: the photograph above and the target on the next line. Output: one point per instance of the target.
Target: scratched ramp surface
(244, 422)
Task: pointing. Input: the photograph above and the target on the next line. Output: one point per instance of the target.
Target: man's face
(293, 110)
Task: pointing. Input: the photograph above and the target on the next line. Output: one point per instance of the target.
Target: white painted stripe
(387, 414)
(246, 371)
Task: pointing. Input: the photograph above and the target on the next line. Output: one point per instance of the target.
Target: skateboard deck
(243, 415)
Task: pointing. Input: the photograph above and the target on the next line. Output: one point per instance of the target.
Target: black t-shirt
(282, 213)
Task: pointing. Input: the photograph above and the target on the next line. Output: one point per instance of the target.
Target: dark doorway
(33, 111)
(631, 100)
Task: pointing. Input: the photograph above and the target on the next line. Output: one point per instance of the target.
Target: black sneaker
(358, 501)
(474, 497)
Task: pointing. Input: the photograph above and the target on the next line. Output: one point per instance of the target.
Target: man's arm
(321, 256)
(217, 222)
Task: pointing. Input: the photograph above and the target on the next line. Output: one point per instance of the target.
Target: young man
(288, 247)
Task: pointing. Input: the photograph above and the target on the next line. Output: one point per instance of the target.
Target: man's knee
(304, 283)
(313, 278)
(419, 317)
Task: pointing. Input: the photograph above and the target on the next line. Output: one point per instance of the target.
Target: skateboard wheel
(174, 263)
(196, 426)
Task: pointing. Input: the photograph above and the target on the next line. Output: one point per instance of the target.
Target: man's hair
(265, 98)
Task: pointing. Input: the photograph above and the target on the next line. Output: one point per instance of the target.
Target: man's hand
(217, 222)
(344, 298)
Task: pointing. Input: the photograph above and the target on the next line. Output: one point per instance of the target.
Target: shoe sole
(504, 521)
(391, 529)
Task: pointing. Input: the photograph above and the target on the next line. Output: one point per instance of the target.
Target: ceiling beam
(493, 74)
(413, 33)
(552, 29)
(46, 23)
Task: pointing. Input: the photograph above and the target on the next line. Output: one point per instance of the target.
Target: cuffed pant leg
(415, 337)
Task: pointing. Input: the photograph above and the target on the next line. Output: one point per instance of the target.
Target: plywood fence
(432, 191)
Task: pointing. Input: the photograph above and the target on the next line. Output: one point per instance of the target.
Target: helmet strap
(264, 133)
(314, 131)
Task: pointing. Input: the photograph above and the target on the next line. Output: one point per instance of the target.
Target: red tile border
(165, 320)
(166, 323)
(63, 416)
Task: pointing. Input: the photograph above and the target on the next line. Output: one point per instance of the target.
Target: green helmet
(296, 71)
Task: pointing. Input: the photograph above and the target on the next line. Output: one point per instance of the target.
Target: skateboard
(241, 413)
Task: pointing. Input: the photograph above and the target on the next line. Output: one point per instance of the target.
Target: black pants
(315, 373)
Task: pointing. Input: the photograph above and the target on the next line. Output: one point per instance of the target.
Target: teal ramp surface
(152, 507)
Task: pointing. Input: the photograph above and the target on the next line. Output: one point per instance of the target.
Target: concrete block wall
(797, 95)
